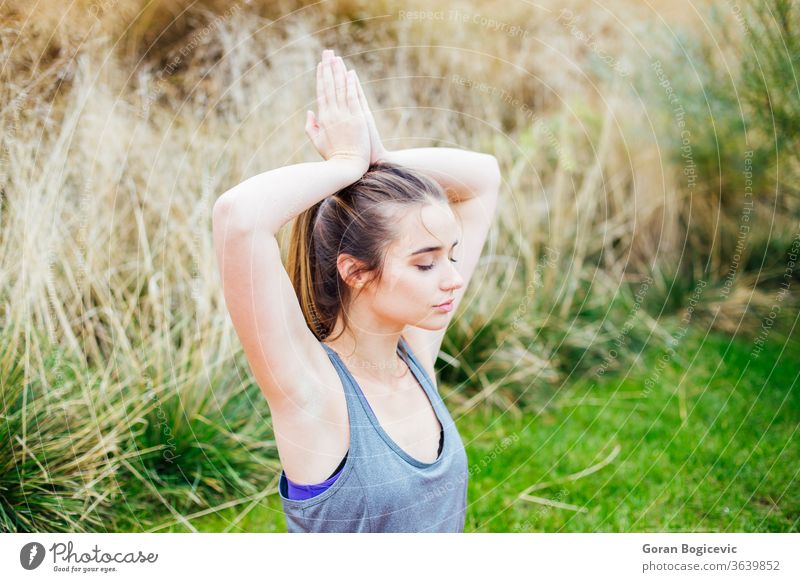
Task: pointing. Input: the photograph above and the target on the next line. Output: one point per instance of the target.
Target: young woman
(343, 346)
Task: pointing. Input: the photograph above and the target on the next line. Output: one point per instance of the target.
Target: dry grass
(120, 129)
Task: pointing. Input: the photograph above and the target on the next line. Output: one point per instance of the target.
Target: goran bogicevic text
(687, 549)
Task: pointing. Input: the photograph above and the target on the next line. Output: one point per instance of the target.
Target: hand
(377, 151)
(341, 130)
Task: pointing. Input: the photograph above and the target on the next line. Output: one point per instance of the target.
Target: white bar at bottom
(414, 557)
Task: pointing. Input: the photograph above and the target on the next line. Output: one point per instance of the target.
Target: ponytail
(301, 266)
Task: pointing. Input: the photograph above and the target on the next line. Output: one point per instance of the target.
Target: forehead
(425, 225)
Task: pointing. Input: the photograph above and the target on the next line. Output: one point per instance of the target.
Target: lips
(448, 302)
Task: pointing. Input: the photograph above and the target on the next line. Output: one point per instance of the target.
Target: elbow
(221, 207)
(225, 219)
(232, 216)
(221, 213)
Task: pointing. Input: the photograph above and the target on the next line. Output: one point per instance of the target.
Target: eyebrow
(429, 249)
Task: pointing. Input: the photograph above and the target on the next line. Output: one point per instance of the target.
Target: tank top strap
(421, 373)
(356, 401)
(365, 431)
(381, 488)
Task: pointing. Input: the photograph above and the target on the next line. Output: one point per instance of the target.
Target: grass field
(730, 466)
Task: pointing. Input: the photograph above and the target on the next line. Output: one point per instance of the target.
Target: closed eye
(429, 267)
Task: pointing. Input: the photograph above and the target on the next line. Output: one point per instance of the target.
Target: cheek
(403, 288)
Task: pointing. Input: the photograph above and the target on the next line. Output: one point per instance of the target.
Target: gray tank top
(382, 488)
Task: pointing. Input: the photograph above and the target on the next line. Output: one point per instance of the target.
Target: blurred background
(625, 358)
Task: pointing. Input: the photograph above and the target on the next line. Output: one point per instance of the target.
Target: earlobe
(348, 267)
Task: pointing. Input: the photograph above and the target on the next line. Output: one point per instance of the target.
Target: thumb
(311, 124)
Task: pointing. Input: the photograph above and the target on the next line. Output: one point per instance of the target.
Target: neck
(370, 353)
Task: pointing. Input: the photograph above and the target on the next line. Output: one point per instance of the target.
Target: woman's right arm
(260, 298)
(269, 200)
(282, 351)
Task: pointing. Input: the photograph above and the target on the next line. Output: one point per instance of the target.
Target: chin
(429, 325)
(428, 321)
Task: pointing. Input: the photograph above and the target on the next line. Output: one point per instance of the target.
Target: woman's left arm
(463, 174)
(472, 182)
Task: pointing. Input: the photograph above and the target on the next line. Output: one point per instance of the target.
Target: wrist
(382, 155)
(355, 166)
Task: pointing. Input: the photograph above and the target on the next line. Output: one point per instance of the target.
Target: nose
(453, 280)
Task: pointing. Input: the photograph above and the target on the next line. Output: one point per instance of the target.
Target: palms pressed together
(344, 126)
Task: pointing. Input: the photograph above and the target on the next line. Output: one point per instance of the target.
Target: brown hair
(356, 221)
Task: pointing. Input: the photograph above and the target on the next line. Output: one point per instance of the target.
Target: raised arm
(267, 201)
(341, 135)
(258, 293)
(463, 174)
(472, 182)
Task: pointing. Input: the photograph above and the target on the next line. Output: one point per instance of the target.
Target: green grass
(731, 465)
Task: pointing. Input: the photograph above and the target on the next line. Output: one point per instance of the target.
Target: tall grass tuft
(204, 440)
(59, 447)
(728, 130)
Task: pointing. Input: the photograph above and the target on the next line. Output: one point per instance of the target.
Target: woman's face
(419, 272)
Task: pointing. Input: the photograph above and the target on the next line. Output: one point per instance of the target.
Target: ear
(349, 270)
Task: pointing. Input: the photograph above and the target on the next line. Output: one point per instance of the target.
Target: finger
(363, 100)
(328, 85)
(361, 97)
(321, 101)
(315, 124)
(353, 102)
(340, 81)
